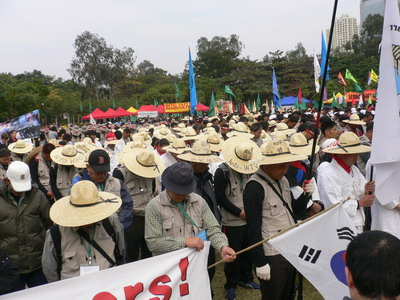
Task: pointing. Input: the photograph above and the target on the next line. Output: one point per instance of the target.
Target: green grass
(309, 292)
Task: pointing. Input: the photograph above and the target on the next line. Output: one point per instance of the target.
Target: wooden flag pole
(310, 171)
(279, 233)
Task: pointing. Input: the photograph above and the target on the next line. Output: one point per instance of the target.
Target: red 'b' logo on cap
(101, 160)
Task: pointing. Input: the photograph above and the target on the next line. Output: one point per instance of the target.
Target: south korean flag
(316, 248)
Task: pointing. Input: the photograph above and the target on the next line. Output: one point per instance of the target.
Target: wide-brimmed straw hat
(143, 162)
(54, 142)
(82, 164)
(277, 152)
(190, 134)
(163, 133)
(348, 143)
(298, 144)
(283, 128)
(215, 141)
(178, 146)
(355, 120)
(144, 135)
(86, 205)
(20, 147)
(272, 123)
(67, 155)
(200, 153)
(240, 129)
(242, 154)
(179, 178)
(179, 127)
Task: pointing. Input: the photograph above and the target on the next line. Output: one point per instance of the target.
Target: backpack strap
(279, 196)
(56, 237)
(111, 232)
(226, 173)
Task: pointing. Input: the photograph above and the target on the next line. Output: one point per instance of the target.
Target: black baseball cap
(99, 160)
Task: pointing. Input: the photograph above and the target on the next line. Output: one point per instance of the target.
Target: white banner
(147, 114)
(180, 274)
(316, 249)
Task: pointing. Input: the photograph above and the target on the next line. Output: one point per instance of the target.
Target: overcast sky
(39, 34)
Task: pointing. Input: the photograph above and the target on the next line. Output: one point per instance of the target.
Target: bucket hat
(179, 178)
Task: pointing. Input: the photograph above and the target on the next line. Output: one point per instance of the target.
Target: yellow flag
(374, 77)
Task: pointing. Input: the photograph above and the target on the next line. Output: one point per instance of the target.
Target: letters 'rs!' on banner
(180, 274)
(316, 249)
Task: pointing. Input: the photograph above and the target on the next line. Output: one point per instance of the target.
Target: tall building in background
(343, 32)
(371, 7)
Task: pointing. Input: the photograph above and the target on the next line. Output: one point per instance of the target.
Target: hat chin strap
(94, 203)
(148, 166)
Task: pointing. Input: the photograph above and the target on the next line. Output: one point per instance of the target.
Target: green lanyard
(101, 187)
(182, 209)
(89, 251)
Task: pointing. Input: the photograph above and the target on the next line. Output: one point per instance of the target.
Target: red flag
(341, 79)
(300, 96)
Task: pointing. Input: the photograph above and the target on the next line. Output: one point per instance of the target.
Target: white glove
(309, 186)
(264, 272)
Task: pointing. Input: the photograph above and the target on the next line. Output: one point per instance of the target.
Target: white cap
(19, 175)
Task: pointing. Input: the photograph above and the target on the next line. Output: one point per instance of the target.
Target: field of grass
(309, 292)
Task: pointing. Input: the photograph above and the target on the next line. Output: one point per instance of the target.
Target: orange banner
(177, 107)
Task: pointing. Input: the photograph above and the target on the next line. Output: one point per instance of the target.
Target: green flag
(344, 103)
(349, 76)
(211, 112)
(221, 104)
(177, 93)
(155, 103)
(137, 104)
(250, 106)
(90, 106)
(80, 106)
(334, 101)
(303, 105)
(316, 104)
(258, 104)
(113, 104)
(369, 100)
(228, 91)
(357, 88)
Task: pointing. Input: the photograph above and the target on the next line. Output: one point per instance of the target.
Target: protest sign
(28, 125)
(180, 274)
(177, 107)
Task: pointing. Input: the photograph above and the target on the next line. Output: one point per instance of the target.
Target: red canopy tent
(160, 108)
(120, 112)
(96, 114)
(202, 107)
(110, 113)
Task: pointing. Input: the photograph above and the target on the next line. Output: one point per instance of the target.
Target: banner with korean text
(180, 274)
(177, 107)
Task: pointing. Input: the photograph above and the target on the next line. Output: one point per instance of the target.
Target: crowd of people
(87, 197)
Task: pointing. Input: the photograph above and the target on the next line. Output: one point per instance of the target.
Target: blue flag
(275, 92)
(192, 87)
(323, 58)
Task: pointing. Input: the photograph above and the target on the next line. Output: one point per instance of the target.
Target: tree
(216, 57)
(98, 67)
(367, 43)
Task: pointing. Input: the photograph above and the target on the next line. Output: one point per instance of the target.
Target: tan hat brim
(347, 149)
(302, 150)
(113, 142)
(281, 158)
(216, 147)
(191, 138)
(235, 162)
(354, 122)
(174, 150)
(287, 131)
(63, 213)
(57, 156)
(204, 159)
(240, 134)
(26, 149)
(130, 161)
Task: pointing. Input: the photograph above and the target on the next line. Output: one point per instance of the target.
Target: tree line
(103, 76)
